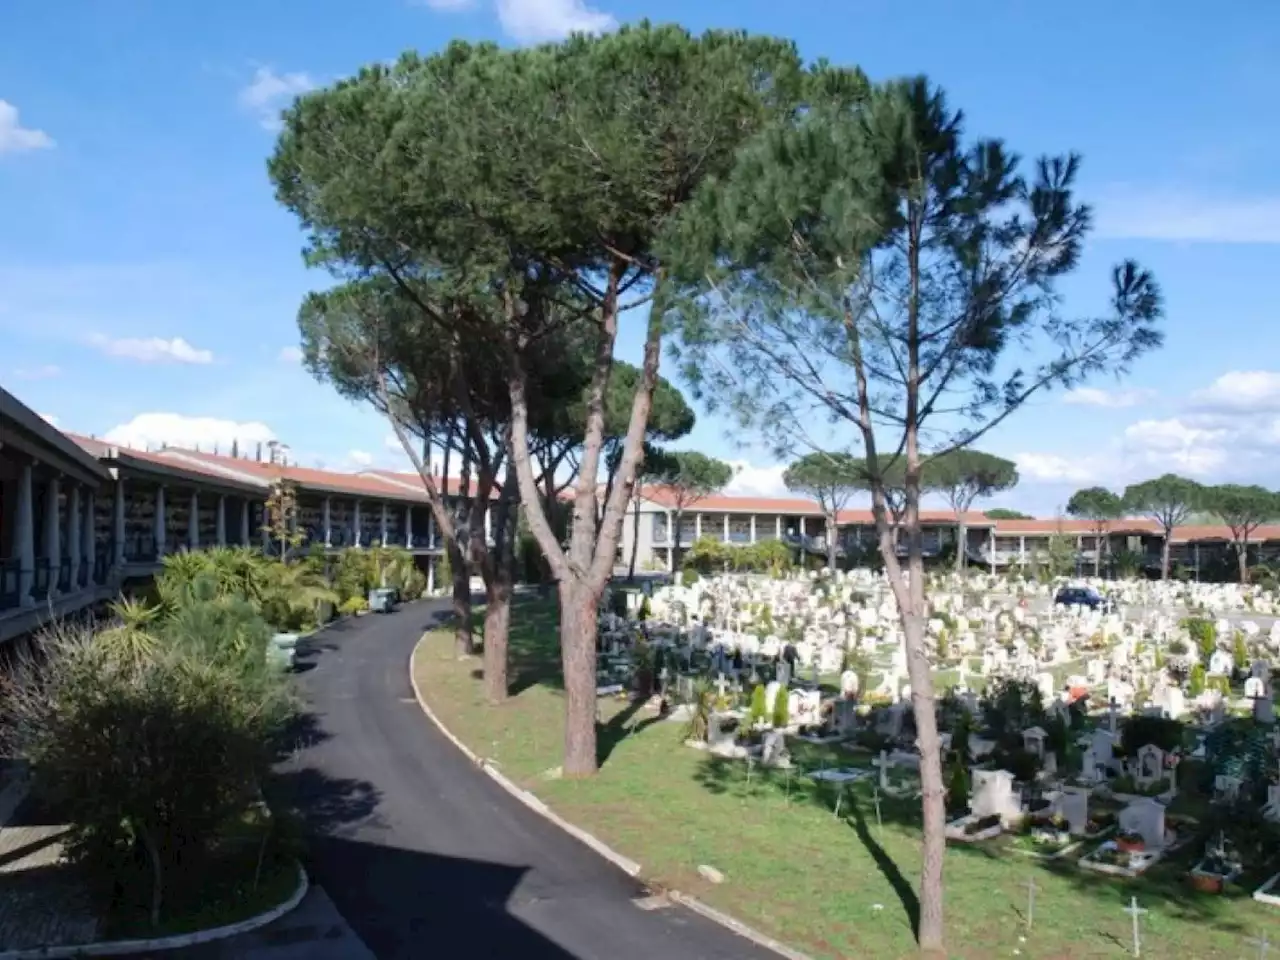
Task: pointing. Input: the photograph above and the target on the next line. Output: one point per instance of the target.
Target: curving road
(424, 855)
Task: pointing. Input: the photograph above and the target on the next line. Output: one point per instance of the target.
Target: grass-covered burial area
(829, 885)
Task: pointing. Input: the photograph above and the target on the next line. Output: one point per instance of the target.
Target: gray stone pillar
(356, 522)
(52, 545)
(326, 522)
(382, 530)
(193, 522)
(220, 520)
(408, 527)
(161, 526)
(117, 521)
(244, 522)
(24, 539)
(74, 541)
(88, 533)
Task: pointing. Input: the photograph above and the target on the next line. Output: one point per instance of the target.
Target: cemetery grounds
(830, 885)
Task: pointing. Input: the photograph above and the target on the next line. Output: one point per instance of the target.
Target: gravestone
(1145, 817)
(1074, 807)
(774, 750)
(1033, 741)
(848, 684)
(994, 795)
(1150, 765)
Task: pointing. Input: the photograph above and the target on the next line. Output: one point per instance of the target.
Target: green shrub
(151, 761)
(1196, 680)
(758, 712)
(781, 709)
(958, 787)
(688, 577)
(1203, 634)
(353, 605)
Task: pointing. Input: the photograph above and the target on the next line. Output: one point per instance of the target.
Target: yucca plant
(134, 635)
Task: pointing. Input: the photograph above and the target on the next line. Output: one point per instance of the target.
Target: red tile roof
(798, 506)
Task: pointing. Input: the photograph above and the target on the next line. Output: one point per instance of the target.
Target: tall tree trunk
(635, 544)
(1242, 557)
(578, 647)
(462, 640)
(1097, 554)
(833, 544)
(677, 555)
(499, 576)
(1164, 555)
(962, 541)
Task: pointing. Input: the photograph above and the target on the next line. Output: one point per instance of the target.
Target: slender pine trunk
(1242, 557)
(578, 656)
(833, 545)
(1164, 556)
(463, 644)
(635, 545)
(962, 536)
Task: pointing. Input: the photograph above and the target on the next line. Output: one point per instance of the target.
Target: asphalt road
(424, 855)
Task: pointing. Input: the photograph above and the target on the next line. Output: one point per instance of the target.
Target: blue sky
(149, 281)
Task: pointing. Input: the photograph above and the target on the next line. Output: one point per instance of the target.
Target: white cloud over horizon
(153, 430)
(15, 138)
(270, 92)
(750, 480)
(535, 21)
(151, 349)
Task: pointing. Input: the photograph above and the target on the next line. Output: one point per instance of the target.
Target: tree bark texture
(1242, 557)
(833, 540)
(1164, 555)
(499, 577)
(635, 544)
(458, 567)
(962, 542)
(578, 647)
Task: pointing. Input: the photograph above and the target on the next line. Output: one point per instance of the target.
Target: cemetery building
(801, 524)
(82, 519)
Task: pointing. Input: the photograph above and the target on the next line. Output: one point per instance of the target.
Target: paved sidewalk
(41, 901)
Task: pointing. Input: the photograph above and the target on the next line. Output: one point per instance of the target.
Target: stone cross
(875, 798)
(1111, 716)
(721, 683)
(1031, 901)
(1135, 911)
(1263, 945)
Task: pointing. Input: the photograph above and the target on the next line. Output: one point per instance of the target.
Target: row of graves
(1087, 744)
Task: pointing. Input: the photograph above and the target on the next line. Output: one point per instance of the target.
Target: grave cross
(1263, 944)
(721, 683)
(1031, 901)
(1111, 716)
(875, 798)
(1135, 911)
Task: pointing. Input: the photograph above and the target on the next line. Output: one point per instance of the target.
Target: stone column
(161, 525)
(265, 526)
(726, 528)
(117, 521)
(52, 544)
(75, 543)
(408, 527)
(245, 534)
(777, 527)
(24, 540)
(991, 546)
(1022, 550)
(355, 521)
(193, 522)
(753, 528)
(697, 526)
(325, 514)
(382, 530)
(220, 521)
(88, 533)
(802, 533)
(431, 529)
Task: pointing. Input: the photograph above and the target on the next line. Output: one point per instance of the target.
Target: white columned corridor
(24, 538)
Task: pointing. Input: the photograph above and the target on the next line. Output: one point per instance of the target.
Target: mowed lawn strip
(831, 887)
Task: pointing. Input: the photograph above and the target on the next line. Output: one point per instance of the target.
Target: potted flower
(1130, 842)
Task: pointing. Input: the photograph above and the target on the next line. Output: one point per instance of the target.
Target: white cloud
(44, 372)
(14, 137)
(1114, 399)
(269, 92)
(290, 355)
(49, 418)
(1052, 468)
(535, 21)
(361, 458)
(151, 349)
(152, 430)
(1129, 213)
(1241, 391)
(752, 481)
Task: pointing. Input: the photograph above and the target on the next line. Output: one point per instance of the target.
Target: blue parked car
(1085, 597)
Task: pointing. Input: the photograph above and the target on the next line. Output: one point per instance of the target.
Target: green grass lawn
(832, 887)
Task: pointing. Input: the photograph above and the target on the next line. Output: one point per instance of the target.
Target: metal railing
(41, 579)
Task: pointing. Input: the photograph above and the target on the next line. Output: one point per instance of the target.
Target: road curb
(625, 864)
(116, 948)
(737, 926)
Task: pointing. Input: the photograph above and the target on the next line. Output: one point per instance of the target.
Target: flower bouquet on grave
(1130, 842)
